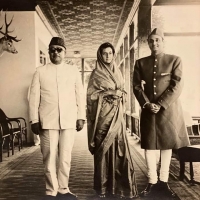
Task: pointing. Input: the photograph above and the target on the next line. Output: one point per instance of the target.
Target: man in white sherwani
(57, 110)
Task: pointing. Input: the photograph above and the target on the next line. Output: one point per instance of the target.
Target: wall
(16, 70)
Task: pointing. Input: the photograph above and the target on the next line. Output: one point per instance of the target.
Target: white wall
(16, 70)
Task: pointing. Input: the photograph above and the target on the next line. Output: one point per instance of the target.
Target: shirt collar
(59, 65)
(158, 55)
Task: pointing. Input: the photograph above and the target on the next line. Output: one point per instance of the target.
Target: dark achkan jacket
(158, 79)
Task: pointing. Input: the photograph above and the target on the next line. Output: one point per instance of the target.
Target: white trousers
(152, 159)
(56, 148)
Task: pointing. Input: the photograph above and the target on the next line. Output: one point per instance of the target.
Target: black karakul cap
(57, 41)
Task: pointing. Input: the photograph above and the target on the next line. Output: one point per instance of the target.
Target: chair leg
(182, 170)
(12, 143)
(191, 172)
(19, 141)
(1, 151)
(26, 137)
(8, 146)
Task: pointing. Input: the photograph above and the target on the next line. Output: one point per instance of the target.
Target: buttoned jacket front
(57, 98)
(159, 80)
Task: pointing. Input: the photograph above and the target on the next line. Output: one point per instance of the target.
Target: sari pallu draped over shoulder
(106, 127)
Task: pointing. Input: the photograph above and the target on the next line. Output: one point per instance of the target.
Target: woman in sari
(113, 166)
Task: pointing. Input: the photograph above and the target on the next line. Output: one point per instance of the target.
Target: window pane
(177, 18)
(126, 45)
(179, 21)
(121, 52)
(75, 62)
(189, 51)
(117, 60)
(131, 34)
(86, 80)
(89, 64)
(122, 69)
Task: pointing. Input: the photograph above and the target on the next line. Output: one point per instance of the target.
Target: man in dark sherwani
(157, 85)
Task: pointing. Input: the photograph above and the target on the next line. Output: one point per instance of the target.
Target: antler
(8, 24)
(7, 31)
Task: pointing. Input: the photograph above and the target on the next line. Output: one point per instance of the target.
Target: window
(182, 37)
(42, 58)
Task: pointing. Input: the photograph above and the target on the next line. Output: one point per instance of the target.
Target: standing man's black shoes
(67, 196)
(166, 190)
(149, 190)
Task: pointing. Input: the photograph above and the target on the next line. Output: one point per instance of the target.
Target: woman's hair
(106, 45)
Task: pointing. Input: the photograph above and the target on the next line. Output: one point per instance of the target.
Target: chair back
(3, 122)
(1, 131)
(2, 115)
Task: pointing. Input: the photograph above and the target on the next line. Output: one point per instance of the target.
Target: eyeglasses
(53, 50)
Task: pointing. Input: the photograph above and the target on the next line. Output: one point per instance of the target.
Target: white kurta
(57, 97)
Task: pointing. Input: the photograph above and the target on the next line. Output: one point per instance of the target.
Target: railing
(196, 119)
(133, 123)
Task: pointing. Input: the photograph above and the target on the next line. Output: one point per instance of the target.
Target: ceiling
(85, 24)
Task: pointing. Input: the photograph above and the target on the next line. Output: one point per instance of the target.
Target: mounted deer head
(6, 42)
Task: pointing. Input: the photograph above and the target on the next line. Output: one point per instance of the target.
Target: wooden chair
(4, 139)
(13, 127)
(189, 130)
(135, 122)
(9, 133)
(190, 153)
(22, 123)
(195, 129)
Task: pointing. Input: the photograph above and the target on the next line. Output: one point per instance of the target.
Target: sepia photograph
(99, 99)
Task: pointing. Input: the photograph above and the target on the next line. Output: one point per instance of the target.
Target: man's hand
(155, 108)
(79, 124)
(152, 107)
(36, 128)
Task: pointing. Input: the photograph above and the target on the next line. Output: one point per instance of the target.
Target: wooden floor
(21, 175)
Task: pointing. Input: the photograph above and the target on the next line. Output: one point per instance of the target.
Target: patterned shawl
(102, 79)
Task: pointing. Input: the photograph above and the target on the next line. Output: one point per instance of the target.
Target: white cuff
(145, 104)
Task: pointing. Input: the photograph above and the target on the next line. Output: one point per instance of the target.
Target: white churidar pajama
(57, 143)
(152, 159)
